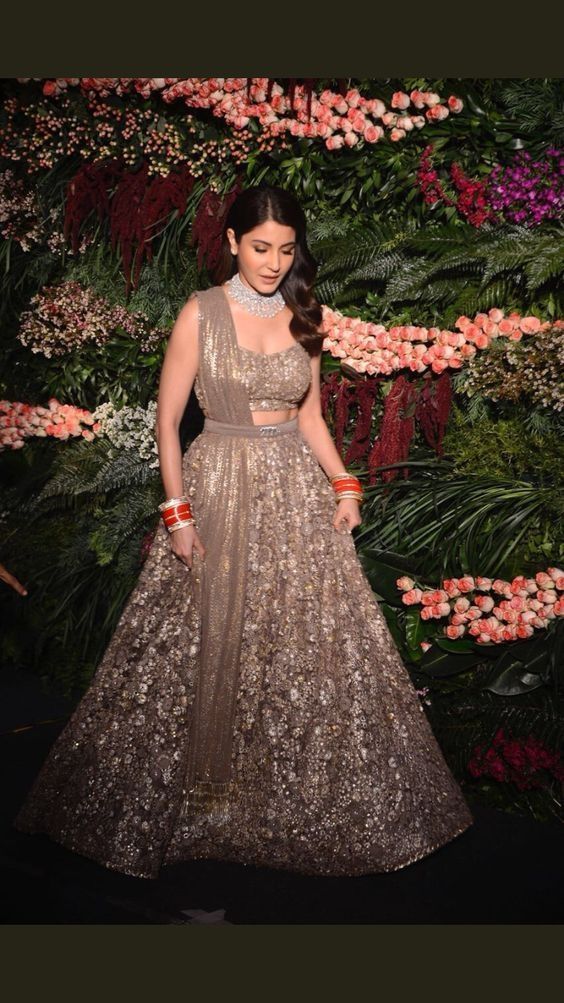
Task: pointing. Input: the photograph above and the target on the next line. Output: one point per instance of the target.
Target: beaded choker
(254, 302)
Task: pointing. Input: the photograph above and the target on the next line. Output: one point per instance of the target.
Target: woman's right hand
(184, 541)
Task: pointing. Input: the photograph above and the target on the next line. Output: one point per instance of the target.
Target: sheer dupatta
(223, 525)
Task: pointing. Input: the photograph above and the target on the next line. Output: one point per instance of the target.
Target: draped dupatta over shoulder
(223, 525)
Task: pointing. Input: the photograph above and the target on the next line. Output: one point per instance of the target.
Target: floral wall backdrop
(435, 214)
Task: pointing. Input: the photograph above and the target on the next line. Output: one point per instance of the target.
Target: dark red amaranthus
(396, 431)
(138, 210)
(366, 393)
(208, 224)
(433, 408)
(89, 191)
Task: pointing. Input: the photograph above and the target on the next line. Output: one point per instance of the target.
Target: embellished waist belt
(251, 431)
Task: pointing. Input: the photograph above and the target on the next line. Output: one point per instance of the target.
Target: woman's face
(264, 255)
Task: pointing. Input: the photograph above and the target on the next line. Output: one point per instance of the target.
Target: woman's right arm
(176, 381)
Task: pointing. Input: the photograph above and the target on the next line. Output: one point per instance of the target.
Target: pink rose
(411, 597)
(397, 134)
(495, 315)
(428, 598)
(458, 618)
(373, 133)
(417, 99)
(455, 104)
(462, 604)
(436, 113)
(400, 100)
(484, 603)
(454, 632)
(405, 583)
(405, 123)
(353, 98)
(418, 121)
(334, 142)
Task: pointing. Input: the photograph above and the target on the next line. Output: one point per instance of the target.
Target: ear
(230, 234)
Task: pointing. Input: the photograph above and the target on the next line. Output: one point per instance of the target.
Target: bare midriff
(273, 417)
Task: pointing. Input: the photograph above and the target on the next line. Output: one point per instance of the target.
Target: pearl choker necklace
(254, 302)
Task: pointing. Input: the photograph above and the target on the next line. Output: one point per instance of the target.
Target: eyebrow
(287, 244)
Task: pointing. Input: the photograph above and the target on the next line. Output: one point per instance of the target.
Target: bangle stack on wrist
(346, 486)
(176, 513)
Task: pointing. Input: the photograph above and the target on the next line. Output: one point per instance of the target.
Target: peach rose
(481, 340)
(400, 100)
(405, 583)
(529, 324)
(373, 133)
(506, 326)
(442, 608)
(417, 99)
(454, 632)
(334, 142)
(412, 597)
(484, 603)
(397, 134)
(455, 104)
(428, 598)
(458, 618)
(495, 315)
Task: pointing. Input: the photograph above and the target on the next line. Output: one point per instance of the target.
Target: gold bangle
(173, 501)
(348, 494)
(181, 525)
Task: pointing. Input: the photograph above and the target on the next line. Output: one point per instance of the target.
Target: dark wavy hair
(260, 204)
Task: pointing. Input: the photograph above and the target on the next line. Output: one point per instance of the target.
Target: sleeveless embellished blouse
(276, 381)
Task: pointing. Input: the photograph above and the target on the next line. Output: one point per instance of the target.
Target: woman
(251, 705)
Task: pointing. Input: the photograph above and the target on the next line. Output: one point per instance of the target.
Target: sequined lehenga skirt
(334, 767)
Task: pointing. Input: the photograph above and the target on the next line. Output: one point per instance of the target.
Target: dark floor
(505, 869)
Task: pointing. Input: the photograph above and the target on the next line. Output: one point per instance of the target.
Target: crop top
(276, 381)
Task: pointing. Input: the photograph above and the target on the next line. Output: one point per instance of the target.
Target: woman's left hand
(347, 515)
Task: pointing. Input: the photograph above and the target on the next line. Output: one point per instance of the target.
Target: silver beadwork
(254, 302)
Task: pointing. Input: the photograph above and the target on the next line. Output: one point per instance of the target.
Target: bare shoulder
(186, 323)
